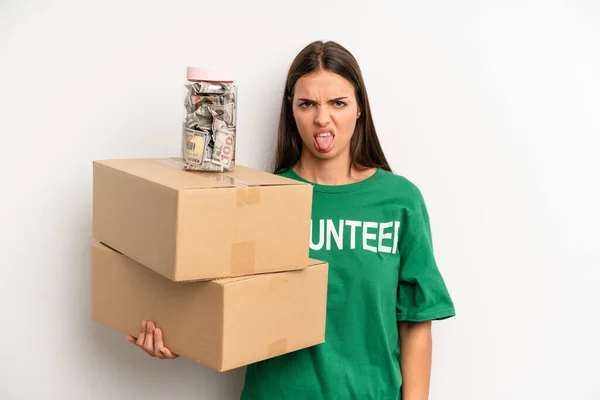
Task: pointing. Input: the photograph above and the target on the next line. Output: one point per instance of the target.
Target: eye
(305, 105)
(339, 104)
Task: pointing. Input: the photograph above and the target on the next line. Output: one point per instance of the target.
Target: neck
(335, 171)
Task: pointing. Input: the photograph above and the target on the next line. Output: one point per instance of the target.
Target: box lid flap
(169, 172)
(228, 281)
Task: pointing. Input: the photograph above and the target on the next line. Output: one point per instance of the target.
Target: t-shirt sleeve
(422, 292)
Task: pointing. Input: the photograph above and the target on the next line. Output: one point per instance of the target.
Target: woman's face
(325, 109)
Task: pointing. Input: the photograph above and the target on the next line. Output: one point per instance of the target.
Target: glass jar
(209, 125)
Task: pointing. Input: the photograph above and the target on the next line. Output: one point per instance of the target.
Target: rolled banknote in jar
(208, 136)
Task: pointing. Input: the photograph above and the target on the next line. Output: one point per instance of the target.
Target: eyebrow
(336, 99)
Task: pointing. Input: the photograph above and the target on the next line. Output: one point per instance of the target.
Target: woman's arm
(415, 359)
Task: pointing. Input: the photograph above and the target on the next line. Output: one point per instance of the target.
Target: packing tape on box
(175, 162)
(243, 254)
(248, 194)
(277, 348)
(243, 258)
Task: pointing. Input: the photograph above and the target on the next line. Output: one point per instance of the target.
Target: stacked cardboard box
(218, 260)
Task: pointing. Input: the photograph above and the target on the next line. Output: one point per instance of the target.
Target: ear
(358, 114)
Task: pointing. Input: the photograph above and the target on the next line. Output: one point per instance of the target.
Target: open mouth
(324, 140)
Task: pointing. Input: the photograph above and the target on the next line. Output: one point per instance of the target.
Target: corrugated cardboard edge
(231, 280)
(176, 233)
(222, 367)
(277, 348)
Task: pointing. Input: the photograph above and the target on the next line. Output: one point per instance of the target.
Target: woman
(372, 227)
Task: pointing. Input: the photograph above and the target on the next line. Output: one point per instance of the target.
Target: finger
(149, 340)
(158, 342)
(167, 353)
(131, 339)
(142, 335)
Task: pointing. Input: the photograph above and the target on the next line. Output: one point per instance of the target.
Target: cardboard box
(223, 324)
(200, 225)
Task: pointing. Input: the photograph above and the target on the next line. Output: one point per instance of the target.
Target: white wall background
(491, 107)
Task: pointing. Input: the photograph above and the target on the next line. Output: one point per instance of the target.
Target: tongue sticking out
(324, 143)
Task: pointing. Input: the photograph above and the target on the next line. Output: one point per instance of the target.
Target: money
(210, 167)
(224, 112)
(209, 127)
(195, 143)
(203, 94)
(227, 98)
(224, 137)
(223, 151)
(209, 87)
(201, 120)
(209, 149)
(218, 119)
(199, 100)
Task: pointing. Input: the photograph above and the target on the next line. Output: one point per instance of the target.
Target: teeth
(324, 134)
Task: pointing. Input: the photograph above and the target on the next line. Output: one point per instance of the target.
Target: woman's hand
(150, 340)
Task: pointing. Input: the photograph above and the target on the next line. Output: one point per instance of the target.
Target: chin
(327, 155)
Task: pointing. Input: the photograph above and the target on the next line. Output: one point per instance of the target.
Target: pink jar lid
(205, 74)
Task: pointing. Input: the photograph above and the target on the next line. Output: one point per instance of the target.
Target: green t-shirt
(376, 237)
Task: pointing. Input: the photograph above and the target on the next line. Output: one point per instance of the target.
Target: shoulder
(410, 198)
(403, 187)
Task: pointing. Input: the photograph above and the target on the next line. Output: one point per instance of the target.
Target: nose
(322, 117)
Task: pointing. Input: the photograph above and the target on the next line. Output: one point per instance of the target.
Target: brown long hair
(365, 149)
